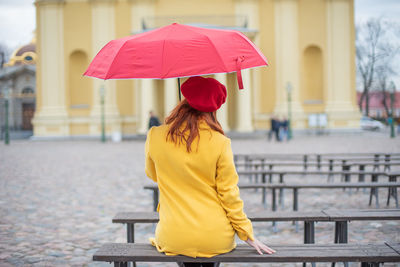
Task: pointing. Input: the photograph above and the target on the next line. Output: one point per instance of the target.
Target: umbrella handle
(239, 61)
(179, 88)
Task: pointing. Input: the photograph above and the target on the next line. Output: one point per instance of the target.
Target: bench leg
(370, 264)
(392, 191)
(361, 177)
(309, 236)
(319, 162)
(309, 232)
(130, 237)
(341, 232)
(120, 264)
(281, 201)
(374, 192)
(273, 199)
(341, 236)
(296, 206)
(256, 178)
(305, 159)
(264, 197)
(274, 207)
(270, 175)
(346, 177)
(264, 191)
(130, 232)
(155, 199)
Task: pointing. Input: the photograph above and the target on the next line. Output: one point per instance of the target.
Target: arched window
(79, 87)
(313, 76)
(27, 91)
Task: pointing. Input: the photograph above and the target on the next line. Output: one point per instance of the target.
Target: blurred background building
(380, 105)
(18, 86)
(310, 46)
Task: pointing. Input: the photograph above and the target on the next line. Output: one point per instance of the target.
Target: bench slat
(394, 246)
(264, 216)
(267, 216)
(266, 172)
(135, 217)
(362, 215)
(320, 185)
(316, 185)
(120, 252)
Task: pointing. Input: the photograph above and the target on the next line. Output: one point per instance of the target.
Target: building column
(51, 118)
(222, 112)
(287, 61)
(103, 31)
(244, 120)
(144, 89)
(146, 104)
(170, 95)
(246, 98)
(251, 10)
(341, 106)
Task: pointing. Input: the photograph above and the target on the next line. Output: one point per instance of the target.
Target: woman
(191, 160)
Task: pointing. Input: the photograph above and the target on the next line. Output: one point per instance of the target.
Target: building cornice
(142, 1)
(49, 2)
(102, 1)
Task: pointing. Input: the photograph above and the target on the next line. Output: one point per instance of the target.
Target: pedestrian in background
(283, 131)
(274, 128)
(191, 160)
(153, 121)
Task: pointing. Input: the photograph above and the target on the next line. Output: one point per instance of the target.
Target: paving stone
(56, 207)
(32, 259)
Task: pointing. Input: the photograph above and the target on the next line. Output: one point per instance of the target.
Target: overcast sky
(17, 17)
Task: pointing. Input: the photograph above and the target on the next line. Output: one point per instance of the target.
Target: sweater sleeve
(150, 168)
(228, 193)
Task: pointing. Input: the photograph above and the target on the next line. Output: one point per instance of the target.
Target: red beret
(204, 94)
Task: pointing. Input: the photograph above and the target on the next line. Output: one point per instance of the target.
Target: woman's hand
(259, 246)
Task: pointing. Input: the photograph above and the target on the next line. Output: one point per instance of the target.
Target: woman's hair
(184, 115)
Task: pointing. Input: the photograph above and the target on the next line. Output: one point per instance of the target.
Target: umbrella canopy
(176, 51)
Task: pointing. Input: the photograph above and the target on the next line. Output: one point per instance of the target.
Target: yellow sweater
(200, 208)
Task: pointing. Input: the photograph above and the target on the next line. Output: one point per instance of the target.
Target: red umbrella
(176, 51)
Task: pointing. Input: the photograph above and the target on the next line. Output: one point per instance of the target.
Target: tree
(374, 58)
(4, 54)
(383, 72)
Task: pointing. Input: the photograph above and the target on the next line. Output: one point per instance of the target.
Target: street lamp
(392, 89)
(289, 99)
(7, 95)
(103, 123)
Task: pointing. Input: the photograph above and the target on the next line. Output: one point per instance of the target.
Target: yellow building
(309, 44)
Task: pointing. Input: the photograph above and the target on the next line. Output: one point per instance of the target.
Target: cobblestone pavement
(57, 198)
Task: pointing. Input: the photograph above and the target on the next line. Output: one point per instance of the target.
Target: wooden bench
(339, 217)
(367, 254)
(297, 187)
(319, 158)
(344, 173)
(392, 177)
(331, 165)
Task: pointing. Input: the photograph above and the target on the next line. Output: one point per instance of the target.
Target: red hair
(184, 115)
